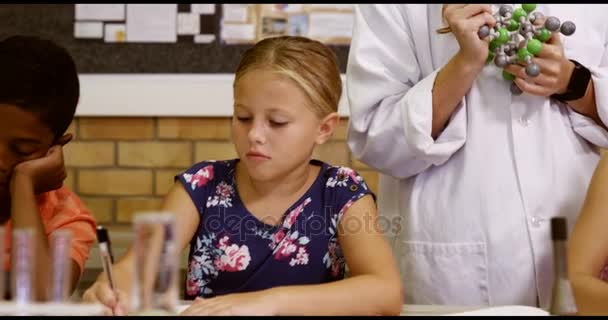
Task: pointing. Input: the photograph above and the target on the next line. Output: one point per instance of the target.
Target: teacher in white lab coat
(474, 171)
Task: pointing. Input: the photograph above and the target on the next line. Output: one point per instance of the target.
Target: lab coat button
(535, 221)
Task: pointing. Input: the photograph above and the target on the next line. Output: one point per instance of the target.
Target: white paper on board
(234, 12)
(102, 12)
(330, 25)
(202, 8)
(152, 22)
(238, 31)
(188, 23)
(88, 30)
(115, 32)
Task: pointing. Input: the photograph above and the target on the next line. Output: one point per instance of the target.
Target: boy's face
(22, 137)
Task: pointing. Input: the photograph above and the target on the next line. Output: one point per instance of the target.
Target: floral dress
(234, 251)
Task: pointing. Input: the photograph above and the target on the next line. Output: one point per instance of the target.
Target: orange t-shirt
(62, 209)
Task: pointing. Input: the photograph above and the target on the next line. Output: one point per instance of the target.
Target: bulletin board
(97, 56)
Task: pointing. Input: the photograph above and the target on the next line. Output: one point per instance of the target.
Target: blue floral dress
(233, 251)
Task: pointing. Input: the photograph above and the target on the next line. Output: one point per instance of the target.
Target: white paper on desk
(188, 23)
(152, 22)
(202, 8)
(504, 311)
(330, 25)
(238, 31)
(103, 12)
(234, 12)
(88, 30)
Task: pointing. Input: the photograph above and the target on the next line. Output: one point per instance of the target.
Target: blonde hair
(310, 63)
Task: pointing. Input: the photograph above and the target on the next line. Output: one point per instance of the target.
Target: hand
(555, 70)
(259, 303)
(464, 21)
(46, 173)
(116, 302)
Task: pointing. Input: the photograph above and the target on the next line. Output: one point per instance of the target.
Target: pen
(105, 253)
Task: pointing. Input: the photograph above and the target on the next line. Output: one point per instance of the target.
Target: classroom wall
(123, 165)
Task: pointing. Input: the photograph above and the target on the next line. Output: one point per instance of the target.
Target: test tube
(22, 258)
(155, 289)
(61, 245)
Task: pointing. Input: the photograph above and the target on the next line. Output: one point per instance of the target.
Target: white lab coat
(475, 204)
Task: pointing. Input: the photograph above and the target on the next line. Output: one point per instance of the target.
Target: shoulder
(204, 173)
(343, 184)
(62, 208)
(342, 176)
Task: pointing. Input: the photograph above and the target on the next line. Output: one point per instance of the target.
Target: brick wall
(119, 166)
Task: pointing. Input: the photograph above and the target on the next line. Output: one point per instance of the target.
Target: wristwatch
(577, 85)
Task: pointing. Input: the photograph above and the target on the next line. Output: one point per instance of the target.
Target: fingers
(556, 39)
(64, 139)
(482, 19)
(473, 9)
(470, 17)
(121, 308)
(532, 88)
(548, 67)
(101, 293)
(449, 8)
(551, 49)
(542, 79)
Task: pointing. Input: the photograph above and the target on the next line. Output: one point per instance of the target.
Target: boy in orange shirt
(39, 91)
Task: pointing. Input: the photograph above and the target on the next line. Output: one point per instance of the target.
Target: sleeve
(585, 126)
(69, 213)
(195, 181)
(390, 101)
(348, 187)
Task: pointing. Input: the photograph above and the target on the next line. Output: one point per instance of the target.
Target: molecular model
(516, 38)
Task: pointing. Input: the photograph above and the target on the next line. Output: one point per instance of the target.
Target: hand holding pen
(107, 259)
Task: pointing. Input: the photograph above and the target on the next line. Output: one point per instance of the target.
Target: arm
(179, 203)
(421, 117)
(25, 214)
(589, 114)
(28, 179)
(374, 287)
(588, 247)
(593, 106)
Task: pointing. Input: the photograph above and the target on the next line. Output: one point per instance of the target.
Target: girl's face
(274, 128)
(22, 137)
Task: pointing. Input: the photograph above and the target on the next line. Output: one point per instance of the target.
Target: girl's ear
(327, 127)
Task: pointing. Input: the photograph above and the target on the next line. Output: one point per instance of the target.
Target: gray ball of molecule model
(536, 16)
(501, 61)
(515, 89)
(532, 69)
(504, 10)
(484, 31)
(525, 28)
(552, 24)
(568, 28)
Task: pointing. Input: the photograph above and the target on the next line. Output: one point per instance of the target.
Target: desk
(438, 310)
(84, 309)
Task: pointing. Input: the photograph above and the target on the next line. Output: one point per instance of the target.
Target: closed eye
(243, 119)
(277, 123)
